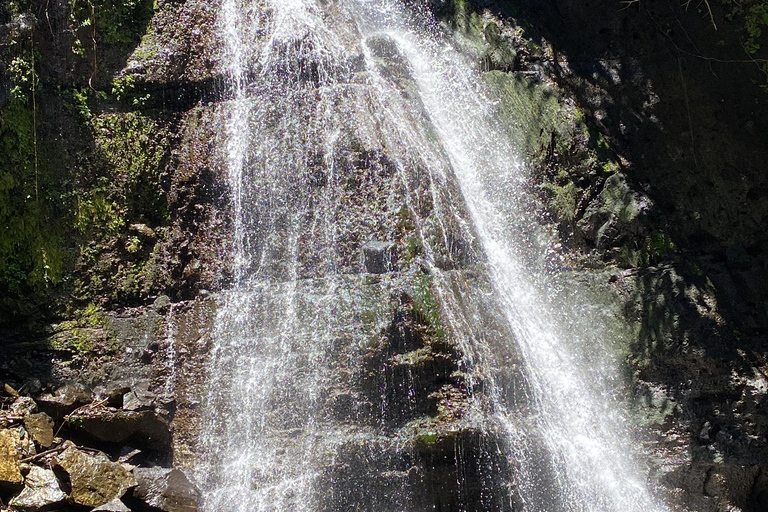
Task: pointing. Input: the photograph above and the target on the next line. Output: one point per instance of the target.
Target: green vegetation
(65, 203)
(123, 88)
(563, 199)
(425, 305)
(755, 16)
(30, 253)
(427, 438)
(89, 331)
(130, 145)
(109, 21)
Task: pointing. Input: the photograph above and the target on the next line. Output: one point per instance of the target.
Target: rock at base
(64, 400)
(10, 457)
(41, 489)
(113, 506)
(95, 480)
(144, 428)
(40, 428)
(166, 489)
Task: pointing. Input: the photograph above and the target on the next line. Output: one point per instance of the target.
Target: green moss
(461, 16)
(89, 333)
(426, 306)
(563, 199)
(427, 438)
(532, 111)
(131, 186)
(659, 245)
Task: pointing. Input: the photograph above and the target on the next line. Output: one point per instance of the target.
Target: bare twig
(80, 409)
(34, 118)
(44, 454)
(688, 111)
(93, 40)
(709, 10)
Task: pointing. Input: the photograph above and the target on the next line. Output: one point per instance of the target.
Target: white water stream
(297, 88)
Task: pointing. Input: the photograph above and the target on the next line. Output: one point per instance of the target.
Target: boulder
(40, 428)
(23, 406)
(10, 457)
(166, 489)
(144, 429)
(41, 488)
(9, 390)
(95, 480)
(64, 400)
(134, 402)
(113, 506)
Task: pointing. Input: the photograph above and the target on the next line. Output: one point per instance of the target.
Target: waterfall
(370, 180)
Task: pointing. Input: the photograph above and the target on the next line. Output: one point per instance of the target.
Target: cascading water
(354, 122)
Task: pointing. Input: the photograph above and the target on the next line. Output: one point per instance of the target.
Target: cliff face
(675, 112)
(646, 136)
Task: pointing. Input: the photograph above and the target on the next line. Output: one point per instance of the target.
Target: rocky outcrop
(41, 474)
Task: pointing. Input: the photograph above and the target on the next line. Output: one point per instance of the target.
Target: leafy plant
(110, 21)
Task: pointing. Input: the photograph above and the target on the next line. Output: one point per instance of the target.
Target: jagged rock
(23, 406)
(378, 257)
(10, 457)
(33, 386)
(616, 215)
(9, 390)
(112, 397)
(144, 428)
(130, 455)
(40, 428)
(95, 479)
(41, 488)
(166, 489)
(133, 402)
(143, 229)
(113, 506)
(64, 400)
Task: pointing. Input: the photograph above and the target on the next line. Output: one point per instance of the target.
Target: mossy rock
(533, 113)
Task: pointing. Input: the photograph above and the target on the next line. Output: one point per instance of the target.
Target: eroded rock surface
(94, 479)
(10, 456)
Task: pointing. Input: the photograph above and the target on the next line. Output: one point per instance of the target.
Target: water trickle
(392, 340)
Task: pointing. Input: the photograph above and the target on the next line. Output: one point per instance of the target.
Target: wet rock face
(411, 370)
(413, 383)
(379, 257)
(451, 471)
(665, 190)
